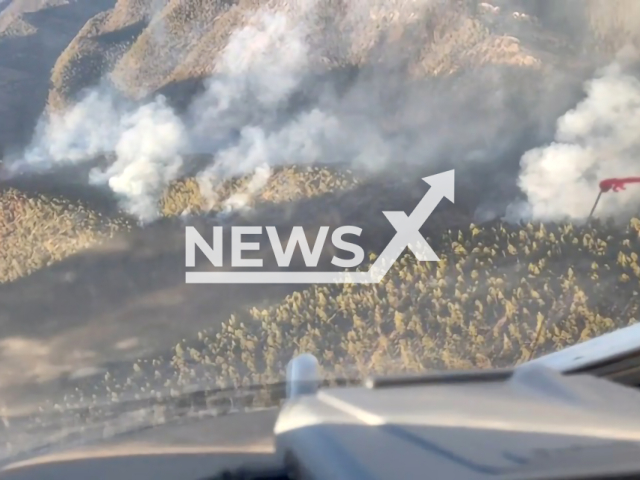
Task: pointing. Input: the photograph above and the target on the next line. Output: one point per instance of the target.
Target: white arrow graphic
(407, 235)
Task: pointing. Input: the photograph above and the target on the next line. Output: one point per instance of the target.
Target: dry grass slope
(614, 24)
(82, 63)
(38, 231)
(11, 21)
(183, 41)
(284, 185)
(97, 47)
(164, 44)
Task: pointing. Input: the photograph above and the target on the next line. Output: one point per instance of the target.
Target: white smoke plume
(597, 139)
(147, 158)
(246, 119)
(74, 136)
(147, 142)
(242, 199)
(263, 64)
(253, 78)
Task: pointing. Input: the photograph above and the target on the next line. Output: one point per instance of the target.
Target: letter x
(408, 227)
(407, 231)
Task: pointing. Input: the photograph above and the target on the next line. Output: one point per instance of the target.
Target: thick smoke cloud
(147, 158)
(597, 139)
(267, 105)
(261, 67)
(253, 79)
(147, 142)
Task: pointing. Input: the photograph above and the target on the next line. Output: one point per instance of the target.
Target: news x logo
(407, 235)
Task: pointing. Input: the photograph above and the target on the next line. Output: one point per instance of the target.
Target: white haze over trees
(239, 118)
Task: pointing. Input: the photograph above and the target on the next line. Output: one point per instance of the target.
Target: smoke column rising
(597, 139)
(253, 79)
(261, 67)
(244, 117)
(147, 158)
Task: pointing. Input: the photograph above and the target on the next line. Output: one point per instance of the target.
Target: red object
(617, 184)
